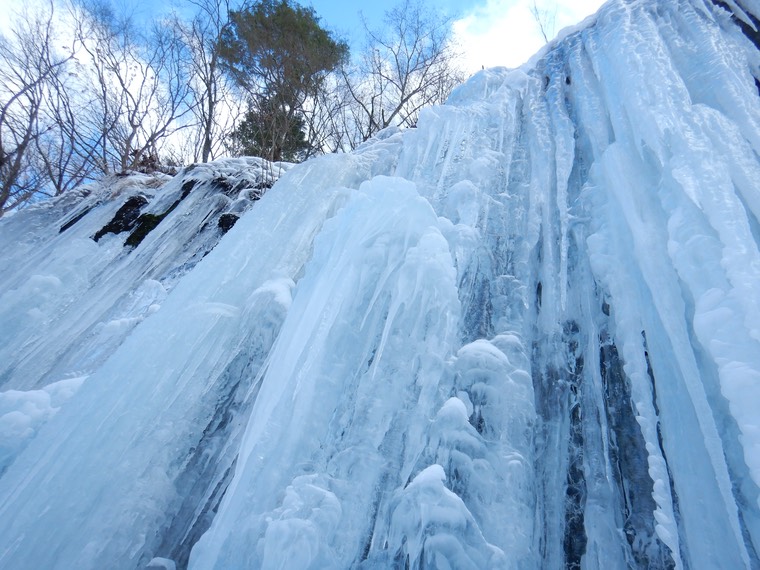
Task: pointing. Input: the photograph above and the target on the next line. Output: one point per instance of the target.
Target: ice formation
(525, 334)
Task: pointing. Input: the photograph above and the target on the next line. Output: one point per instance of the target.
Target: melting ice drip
(525, 334)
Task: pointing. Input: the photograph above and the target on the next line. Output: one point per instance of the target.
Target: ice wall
(525, 334)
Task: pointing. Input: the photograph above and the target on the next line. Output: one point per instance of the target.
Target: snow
(164, 563)
(523, 334)
(22, 413)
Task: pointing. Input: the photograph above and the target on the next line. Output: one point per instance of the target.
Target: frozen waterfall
(523, 335)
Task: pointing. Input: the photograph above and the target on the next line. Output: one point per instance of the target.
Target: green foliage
(279, 55)
(255, 135)
(280, 47)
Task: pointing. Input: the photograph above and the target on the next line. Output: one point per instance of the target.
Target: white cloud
(11, 9)
(499, 32)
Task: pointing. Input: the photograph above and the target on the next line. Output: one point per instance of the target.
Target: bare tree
(324, 118)
(29, 70)
(209, 92)
(137, 88)
(63, 154)
(545, 19)
(405, 66)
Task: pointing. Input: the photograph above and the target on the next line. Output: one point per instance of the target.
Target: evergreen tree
(254, 135)
(279, 55)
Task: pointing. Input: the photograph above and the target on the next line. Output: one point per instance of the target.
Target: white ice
(524, 334)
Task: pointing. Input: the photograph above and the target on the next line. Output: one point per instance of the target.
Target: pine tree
(279, 55)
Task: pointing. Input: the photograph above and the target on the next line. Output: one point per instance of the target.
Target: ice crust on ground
(525, 334)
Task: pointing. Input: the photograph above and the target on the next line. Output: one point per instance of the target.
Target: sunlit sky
(489, 32)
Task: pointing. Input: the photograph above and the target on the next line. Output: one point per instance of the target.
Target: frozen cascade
(525, 334)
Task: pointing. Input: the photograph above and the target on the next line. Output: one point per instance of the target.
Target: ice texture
(524, 334)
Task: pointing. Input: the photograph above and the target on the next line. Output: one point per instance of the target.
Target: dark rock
(74, 220)
(229, 187)
(226, 221)
(124, 219)
(187, 186)
(145, 224)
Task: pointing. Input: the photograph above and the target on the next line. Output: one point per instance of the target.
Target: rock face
(123, 220)
(226, 221)
(85, 269)
(525, 334)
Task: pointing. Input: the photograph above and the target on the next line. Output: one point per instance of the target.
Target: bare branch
(406, 66)
(545, 19)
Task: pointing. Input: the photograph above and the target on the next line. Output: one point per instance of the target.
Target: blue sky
(489, 32)
(344, 16)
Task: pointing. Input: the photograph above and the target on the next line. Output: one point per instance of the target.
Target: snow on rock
(521, 335)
